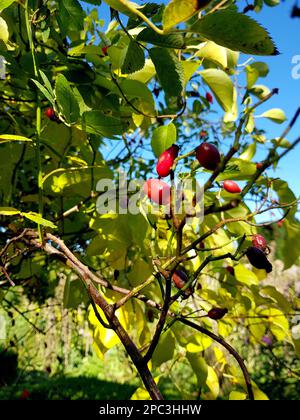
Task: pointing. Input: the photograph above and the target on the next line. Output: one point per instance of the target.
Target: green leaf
(66, 100)
(278, 323)
(199, 367)
(280, 142)
(44, 91)
(236, 395)
(296, 344)
(71, 15)
(277, 297)
(238, 169)
(134, 59)
(213, 52)
(75, 180)
(144, 75)
(257, 329)
(8, 211)
(134, 89)
(162, 138)
(169, 70)
(254, 71)
(74, 293)
(5, 138)
(259, 395)
(276, 115)
(148, 35)
(212, 382)
(285, 195)
(5, 3)
(165, 349)
(249, 153)
(189, 68)
(232, 58)
(178, 11)
(235, 31)
(98, 123)
(260, 91)
(122, 6)
(261, 67)
(36, 218)
(290, 246)
(4, 34)
(252, 76)
(85, 49)
(47, 83)
(117, 52)
(272, 3)
(221, 85)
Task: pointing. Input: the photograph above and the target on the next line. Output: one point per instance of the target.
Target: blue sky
(285, 32)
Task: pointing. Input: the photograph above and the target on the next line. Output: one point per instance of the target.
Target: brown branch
(218, 209)
(136, 291)
(64, 253)
(162, 319)
(3, 269)
(228, 347)
(12, 240)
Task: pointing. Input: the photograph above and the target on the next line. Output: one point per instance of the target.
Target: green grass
(43, 387)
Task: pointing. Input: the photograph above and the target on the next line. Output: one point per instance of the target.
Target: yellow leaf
(8, 211)
(181, 10)
(212, 382)
(236, 395)
(4, 138)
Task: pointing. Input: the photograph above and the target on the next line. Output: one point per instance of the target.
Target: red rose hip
(179, 278)
(208, 156)
(50, 113)
(104, 50)
(259, 241)
(231, 187)
(158, 191)
(166, 161)
(209, 97)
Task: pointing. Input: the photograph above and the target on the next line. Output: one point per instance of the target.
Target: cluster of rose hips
(207, 155)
